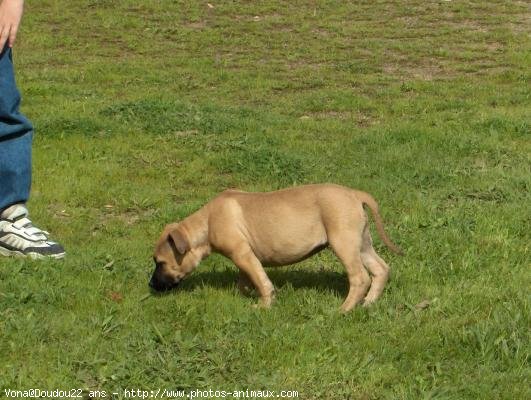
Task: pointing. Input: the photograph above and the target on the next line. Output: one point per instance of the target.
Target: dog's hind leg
(244, 283)
(348, 251)
(249, 265)
(376, 266)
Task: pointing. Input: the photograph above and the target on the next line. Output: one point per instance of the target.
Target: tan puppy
(278, 228)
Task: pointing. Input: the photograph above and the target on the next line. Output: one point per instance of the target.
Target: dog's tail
(367, 199)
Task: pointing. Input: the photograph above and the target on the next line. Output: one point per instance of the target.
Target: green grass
(146, 110)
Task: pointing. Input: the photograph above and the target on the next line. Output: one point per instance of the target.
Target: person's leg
(18, 236)
(15, 139)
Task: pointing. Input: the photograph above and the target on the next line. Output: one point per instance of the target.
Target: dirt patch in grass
(421, 72)
(196, 25)
(359, 118)
(427, 69)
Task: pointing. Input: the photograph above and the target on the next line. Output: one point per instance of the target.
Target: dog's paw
(367, 304)
(264, 303)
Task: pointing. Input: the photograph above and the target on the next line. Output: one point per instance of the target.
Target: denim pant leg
(16, 133)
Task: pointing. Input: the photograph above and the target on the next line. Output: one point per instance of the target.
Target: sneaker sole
(33, 256)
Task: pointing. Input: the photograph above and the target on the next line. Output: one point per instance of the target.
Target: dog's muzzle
(159, 286)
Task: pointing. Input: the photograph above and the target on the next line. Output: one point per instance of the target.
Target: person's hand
(10, 16)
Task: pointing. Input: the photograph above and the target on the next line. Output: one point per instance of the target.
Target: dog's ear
(179, 241)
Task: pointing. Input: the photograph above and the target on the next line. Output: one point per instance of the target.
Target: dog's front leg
(249, 265)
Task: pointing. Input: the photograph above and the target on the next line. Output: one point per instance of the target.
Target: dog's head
(174, 259)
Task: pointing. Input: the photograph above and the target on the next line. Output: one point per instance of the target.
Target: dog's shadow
(325, 281)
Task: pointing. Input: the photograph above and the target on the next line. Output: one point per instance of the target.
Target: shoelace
(26, 225)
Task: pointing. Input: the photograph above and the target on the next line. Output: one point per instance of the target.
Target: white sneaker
(18, 236)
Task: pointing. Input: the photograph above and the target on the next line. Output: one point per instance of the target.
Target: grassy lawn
(145, 110)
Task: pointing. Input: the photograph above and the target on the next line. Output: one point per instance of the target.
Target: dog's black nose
(156, 285)
(161, 286)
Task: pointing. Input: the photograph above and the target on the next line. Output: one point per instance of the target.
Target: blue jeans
(16, 133)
